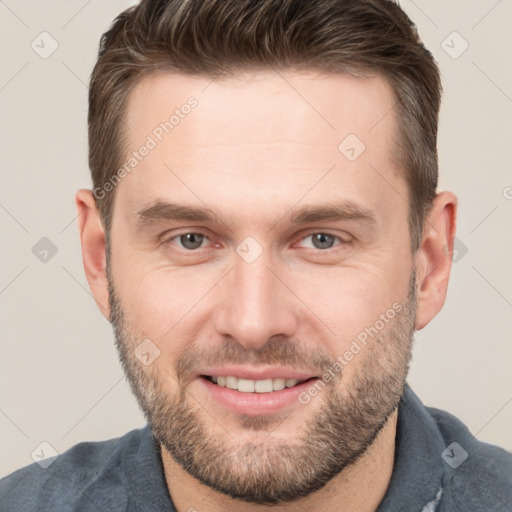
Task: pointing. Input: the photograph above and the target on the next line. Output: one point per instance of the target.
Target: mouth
(254, 386)
(255, 390)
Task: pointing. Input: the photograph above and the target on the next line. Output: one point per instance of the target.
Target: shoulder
(478, 475)
(70, 476)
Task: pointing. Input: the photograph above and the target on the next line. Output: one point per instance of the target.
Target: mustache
(278, 351)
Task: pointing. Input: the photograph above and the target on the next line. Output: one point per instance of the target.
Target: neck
(359, 487)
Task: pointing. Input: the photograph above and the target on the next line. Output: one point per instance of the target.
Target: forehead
(259, 134)
(330, 103)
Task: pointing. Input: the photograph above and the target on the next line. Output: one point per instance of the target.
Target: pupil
(322, 241)
(191, 240)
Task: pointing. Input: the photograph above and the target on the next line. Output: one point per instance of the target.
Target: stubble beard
(272, 470)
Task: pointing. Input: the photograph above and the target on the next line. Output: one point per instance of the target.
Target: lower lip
(255, 404)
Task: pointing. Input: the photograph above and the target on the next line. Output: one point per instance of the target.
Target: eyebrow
(163, 210)
(159, 210)
(343, 210)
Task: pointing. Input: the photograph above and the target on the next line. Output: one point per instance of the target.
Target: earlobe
(434, 258)
(92, 238)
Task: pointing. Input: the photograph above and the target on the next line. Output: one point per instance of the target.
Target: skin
(254, 149)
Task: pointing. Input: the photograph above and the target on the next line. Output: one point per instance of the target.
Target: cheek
(349, 300)
(160, 302)
(365, 317)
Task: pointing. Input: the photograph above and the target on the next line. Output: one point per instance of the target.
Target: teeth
(244, 385)
(278, 384)
(231, 382)
(254, 386)
(263, 386)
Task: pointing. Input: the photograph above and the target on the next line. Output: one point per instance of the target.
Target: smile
(253, 386)
(255, 397)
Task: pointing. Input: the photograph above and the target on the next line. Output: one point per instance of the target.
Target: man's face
(267, 289)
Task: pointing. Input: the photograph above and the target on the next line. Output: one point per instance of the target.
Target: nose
(254, 305)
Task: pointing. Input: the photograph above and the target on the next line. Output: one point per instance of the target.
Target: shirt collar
(418, 471)
(146, 478)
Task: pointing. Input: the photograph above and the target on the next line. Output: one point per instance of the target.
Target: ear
(434, 258)
(92, 237)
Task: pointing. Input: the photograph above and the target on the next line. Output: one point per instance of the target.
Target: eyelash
(169, 241)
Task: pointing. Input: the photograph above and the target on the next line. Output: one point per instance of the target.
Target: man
(265, 236)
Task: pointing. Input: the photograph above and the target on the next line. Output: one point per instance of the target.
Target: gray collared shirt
(439, 467)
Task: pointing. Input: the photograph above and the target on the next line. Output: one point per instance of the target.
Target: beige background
(60, 381)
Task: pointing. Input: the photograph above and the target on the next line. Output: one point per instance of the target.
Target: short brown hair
(221, 37)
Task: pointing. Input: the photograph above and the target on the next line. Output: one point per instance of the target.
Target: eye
(322, 241)
(189, 241)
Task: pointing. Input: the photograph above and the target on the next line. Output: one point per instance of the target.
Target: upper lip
(253, 373)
